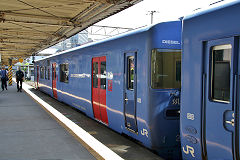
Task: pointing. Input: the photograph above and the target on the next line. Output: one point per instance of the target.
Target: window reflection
(45, 72)
(131, 68)
(166, 68)
(221, 68)
(64, 73)
(103, 75)
(48, 73)
(54, 75)
(42, 72)
(95, 74)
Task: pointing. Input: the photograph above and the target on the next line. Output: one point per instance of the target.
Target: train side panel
(210, 103)
(75, 92)
(164, 101)
(132, 106)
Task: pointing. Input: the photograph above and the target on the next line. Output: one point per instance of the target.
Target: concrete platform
(123, 146)
(34, 130)
(27, 132)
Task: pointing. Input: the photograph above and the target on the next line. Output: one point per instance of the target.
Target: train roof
(211, 8)
(126, 34)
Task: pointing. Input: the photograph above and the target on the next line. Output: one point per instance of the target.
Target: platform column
(9, 72)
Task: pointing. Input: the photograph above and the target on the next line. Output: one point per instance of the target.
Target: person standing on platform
(4, 78)
(19, 78)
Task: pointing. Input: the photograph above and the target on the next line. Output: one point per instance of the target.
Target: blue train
(209, 117)
(130, 83)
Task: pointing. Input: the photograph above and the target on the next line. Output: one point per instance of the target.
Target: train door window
(95, 74)
(42, 72)
(55, 73)
(166, 68)
(103, 75)
(131, 66)
(64, 71)
(220, 72)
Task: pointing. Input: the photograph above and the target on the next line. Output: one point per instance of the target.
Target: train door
(37, 77)
(99, 89)
(130, 91)
(220, 136)
(54, 80)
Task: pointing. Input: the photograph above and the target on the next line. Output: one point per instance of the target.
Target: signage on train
(170, 42)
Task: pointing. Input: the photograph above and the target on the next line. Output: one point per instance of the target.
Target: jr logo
(144, 132)
(188, 150)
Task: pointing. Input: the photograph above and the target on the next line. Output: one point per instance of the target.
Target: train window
(103, 75)
(220, 70)
(166, 68)
(131, 67)
(64, 71)
(48, 62)
(48, 73)
(95, 75)
(42, 72)
(45, 71)
(48, 69)
(178, 71)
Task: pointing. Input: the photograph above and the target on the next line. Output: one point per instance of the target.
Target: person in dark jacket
(4, 77)
(19, 78)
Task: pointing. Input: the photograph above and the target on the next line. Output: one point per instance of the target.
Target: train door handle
(126, 98)
(230, 122)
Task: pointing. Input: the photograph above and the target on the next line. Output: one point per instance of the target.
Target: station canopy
(29, 26)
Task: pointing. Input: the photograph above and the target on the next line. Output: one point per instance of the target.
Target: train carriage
(130, 83)
(210, 83)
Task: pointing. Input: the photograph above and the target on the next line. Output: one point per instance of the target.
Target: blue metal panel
(198, 132)
(115, 95)
(160, 100)
(165, 36)
(217, 144)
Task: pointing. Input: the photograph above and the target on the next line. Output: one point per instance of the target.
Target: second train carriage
(210, 83)
(131, 83)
